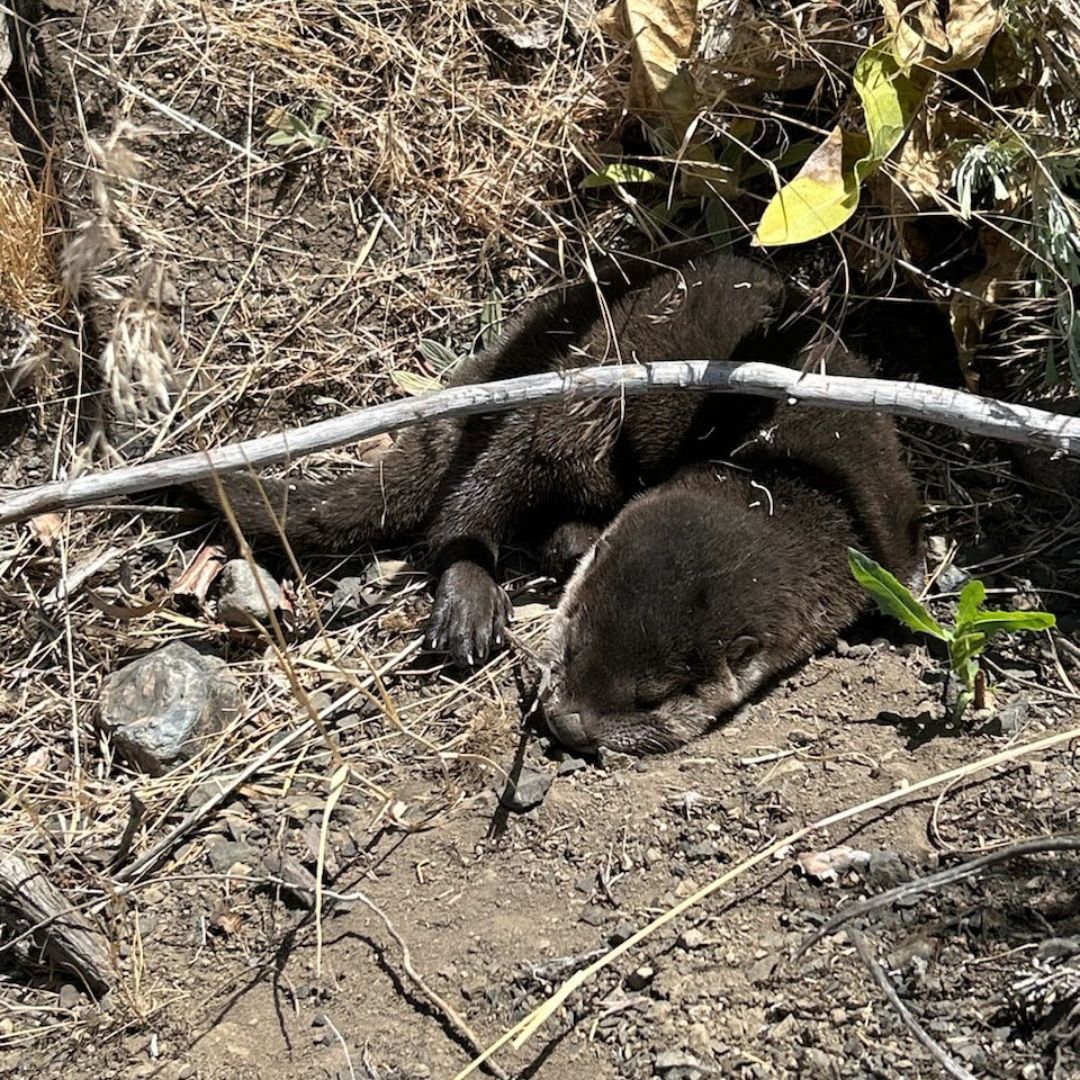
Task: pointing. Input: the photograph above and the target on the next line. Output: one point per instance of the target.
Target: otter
(559, 473)
(729, 574)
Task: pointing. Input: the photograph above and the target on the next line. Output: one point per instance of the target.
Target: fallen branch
(954, 408)
(62, 935)
(945, 1060)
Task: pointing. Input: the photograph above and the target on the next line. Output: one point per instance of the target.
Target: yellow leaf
(942, 36)
(820, 199)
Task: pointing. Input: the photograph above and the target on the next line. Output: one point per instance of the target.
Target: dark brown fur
(564, 470)
(708, 585)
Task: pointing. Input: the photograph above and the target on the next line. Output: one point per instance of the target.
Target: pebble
(690, 939)
(593, 915)
(570, 765)
(640, 977)
(527, 789)
(241, 600)
(69, 996)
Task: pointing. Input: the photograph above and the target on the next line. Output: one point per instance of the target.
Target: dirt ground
(289, 290)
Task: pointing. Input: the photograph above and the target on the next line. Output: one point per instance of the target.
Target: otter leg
(565, 546)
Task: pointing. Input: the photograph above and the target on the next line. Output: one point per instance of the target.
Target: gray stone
(526, 790)
(679, 1063)
(161, 708)
(570, 765)
(69, 996)
(349, 596)
(225, 854)
(614, 760)
(241, 601)
(593, 915)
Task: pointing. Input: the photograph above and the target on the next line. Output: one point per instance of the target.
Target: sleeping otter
(708, 585)
(560, 473)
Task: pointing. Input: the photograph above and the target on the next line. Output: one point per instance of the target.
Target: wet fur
(729, 574)
(557, 473)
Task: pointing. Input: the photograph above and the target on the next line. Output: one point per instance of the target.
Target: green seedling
(440, 361)
(966, 639)
(293, 133)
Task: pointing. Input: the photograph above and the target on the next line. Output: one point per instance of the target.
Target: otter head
(656, 635)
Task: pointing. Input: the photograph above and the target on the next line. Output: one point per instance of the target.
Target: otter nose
(569, 729)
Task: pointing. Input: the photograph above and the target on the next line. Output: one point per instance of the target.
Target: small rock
(761, 971)
(349, 596)
(952, 579)
(623, 932)
(614, 760)
(691, 939)
(161, 707)
(686, 1065)
(640, 977)
(69, 996)
(570, 765)
(226, 854)
(860, 651)
(1011, 718)
(886, 869)
(527, 790)
(593, 915)
(241, 600)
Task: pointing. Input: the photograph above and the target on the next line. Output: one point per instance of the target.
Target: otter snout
(569, 728)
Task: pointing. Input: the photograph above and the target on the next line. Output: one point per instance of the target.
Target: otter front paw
(469, 616)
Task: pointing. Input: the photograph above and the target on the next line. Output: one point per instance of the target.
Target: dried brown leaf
(942, 36)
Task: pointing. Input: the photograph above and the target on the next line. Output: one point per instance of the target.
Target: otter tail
(372, 505)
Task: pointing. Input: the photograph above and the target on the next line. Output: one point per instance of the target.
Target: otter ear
(741, 650)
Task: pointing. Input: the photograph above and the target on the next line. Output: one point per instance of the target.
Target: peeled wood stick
(954, 408)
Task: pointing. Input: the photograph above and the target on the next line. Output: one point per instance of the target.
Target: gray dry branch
(967, 412)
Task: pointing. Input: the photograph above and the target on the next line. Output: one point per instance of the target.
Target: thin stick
(939, 880)
(458, 1023)
(968, 412)
(527, 1027)
(945, 1060)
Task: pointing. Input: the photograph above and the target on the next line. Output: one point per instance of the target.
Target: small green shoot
(293, 133)
(440, 360)
(966, 639)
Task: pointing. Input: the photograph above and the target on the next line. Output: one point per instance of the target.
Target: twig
(939, 880)
(450, 1015)
(968, 412)
(947, 1062)
(70, 941)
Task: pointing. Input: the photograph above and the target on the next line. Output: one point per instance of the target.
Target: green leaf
(818, 200)
(438, 355)
(892, 597)
(1009, 622)
(962, 653)
(717, 223)
(890, 99)
(412, 383)
(282, 138)
(619, 172)
(491, 317)
(319, 113)
(971, 598)
(664, 213)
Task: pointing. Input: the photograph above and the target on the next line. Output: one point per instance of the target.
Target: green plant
(440, 361)
(966, 639)
(293, 132)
